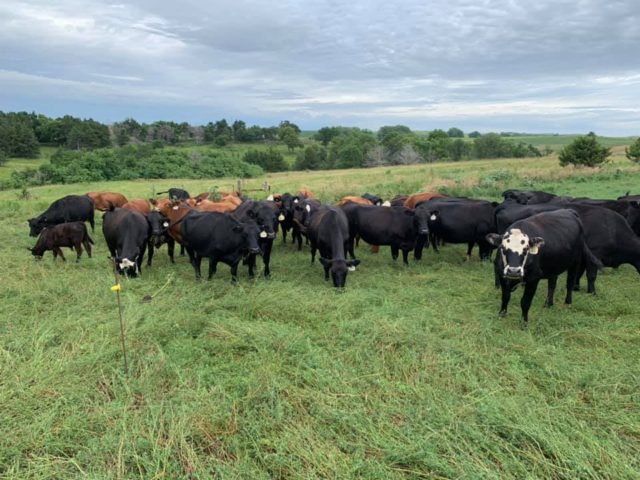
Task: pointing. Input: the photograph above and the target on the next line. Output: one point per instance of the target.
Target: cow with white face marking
(540, 247)
(126, 233)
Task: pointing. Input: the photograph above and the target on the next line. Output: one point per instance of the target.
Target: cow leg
(140, 259)
(506, 296)
(234, 272)
(313, 252)
(149, 260)
(592, 274)
(527, 298)
(78, 248)
(181, 250)
(434, 242)
(394, 253)
(251, 262)
(266, 257)
(196, 261)
(571, 281)
(350, 248)
(421, 241)
(60, 253)
(213, 267)
(92, 221)
(470, 249)
(284, 233)
(551, 289)
(327, 267)
(171, 248)
(405, 256)
(87, 246)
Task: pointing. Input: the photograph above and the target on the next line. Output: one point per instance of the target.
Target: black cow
(285, 216)
(159, 235)
(71, 208)
(177, 194)
(527, 197)
(630, 210)
(627, 197)
(541, 247)
(393, 226)
(374, 199)
(457, 220)
(265, 215)
(220, 238)
(398, 200)
(71, 234)
(127, 233)
(302, 211)
(328, 232)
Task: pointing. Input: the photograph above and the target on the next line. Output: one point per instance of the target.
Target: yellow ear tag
(116, 288)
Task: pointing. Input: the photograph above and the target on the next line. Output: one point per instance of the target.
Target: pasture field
(407, 374)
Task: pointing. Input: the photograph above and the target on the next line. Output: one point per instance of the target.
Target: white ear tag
(295, 200)
(263, 234)
(165, 224)
(308, 208)
(432, 217)
(281, 217)
(534, 250)
(351, 269)
(176, 207)
(386, 204)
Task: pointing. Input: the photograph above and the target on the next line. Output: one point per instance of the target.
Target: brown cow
(175, 213)
(139, 205)
(354, 199)
(70, 234)
(102, 200)
(222, 207)
(417, 198)
(304, 193)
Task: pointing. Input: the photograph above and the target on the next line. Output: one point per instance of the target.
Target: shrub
(584, 150)
(633, 151)
(270, 160)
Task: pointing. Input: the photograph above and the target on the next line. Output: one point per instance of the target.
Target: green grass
(17, 164)
(407, 374)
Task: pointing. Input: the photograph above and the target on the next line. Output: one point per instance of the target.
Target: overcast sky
(537, 66)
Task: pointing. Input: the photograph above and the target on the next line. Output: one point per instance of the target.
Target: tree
(633, 151)
(289, 137)
(326, 134)
(239, 129)
(270, 160)
(458, 149)
(490, 145)
(475, 134)
(392, 130)
(454, 132)
(17, 137)
(287, 123)
(313, 157)
(584, 150)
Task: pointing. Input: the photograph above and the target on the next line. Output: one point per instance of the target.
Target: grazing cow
(527, 197)
(220, 238)
(159, 235)
(265, 215)
(71, 234)
(66, 209)
(417, 198)
(393, 226)
(139, 205)
(176, 194)
(374, 199)
(126, 233)
(630, 210)
(456, 220)
(541, 247)
(328, 233)
(102, 200)
(398, 201)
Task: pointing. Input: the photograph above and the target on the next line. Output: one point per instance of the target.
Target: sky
(489, 65)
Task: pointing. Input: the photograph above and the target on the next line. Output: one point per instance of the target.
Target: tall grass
(407, 374)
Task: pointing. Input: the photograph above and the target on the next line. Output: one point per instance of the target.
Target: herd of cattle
(538, 235)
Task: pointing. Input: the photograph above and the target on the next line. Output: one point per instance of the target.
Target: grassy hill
(407, 374)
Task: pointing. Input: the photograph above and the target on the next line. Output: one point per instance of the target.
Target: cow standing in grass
(71, 234)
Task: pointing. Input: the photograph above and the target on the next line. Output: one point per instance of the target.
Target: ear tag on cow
(263, 234)
(281, 218)
(296, 200)
(165, 224)
(308, 208)
(432, 217)
(270, 198)
(534, 250)
(351, 269)
(176, 207)
(386, 204)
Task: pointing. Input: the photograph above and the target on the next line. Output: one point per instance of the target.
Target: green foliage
(88, 134)
(313, 157)
(3, 157)
(270, 160)
(492, 145)
(585, 151)
(290, 137)
(350, 149)
(454, 132)
(458, 149)
(632, 152)
(475, 134)
(326, 134)
(385, 131)
(17, 138)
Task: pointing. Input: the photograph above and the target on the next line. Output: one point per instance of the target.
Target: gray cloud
(549, 65)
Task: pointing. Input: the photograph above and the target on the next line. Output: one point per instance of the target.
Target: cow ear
(493, 239)
(535, 243)
(353, 263)
(325, 262)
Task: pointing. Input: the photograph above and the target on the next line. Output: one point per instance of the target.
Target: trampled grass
(407, 374)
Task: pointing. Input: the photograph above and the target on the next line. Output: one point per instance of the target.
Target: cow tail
(110, 206)
(589, 258)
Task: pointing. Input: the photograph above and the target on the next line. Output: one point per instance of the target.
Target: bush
(313, 157)
(270, 160)
(633, 151)
(585, 151)
(3, 158)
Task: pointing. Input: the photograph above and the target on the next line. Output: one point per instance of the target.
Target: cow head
(128, 266)
(41, 245)
(339, 269)
(302, 214)
(517, 250)
(424, 217)
(159, 224)
(266, 219)
(250, 232)
(36, 225)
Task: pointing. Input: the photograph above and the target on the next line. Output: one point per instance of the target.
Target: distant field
(17, 164)
(556, 142)
(407, 374)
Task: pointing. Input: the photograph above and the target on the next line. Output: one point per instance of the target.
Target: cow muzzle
(514, 273)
